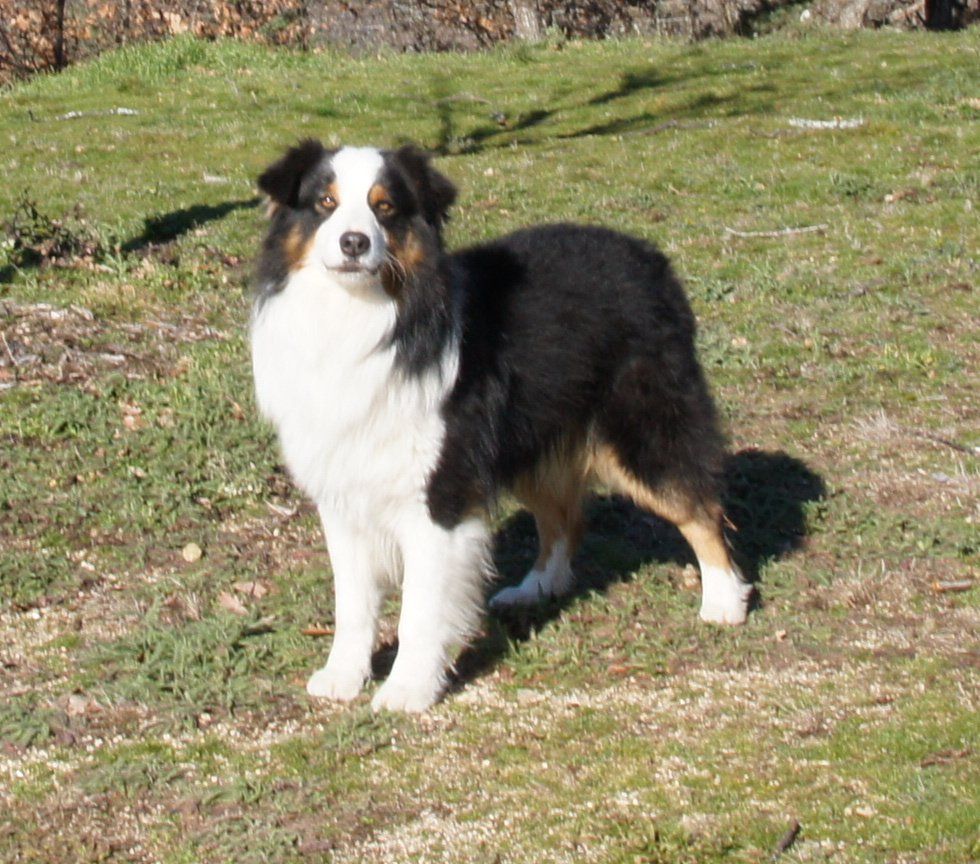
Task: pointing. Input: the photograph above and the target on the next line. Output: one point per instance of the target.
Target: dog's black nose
(354, 243)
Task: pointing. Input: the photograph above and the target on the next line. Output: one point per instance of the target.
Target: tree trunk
(60, 60)
(943, 14)
(527, 20)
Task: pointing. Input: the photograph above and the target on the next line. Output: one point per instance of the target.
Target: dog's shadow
(765, 499)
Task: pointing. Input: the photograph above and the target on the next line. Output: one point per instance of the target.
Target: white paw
(528, 593)
(412, 697)
(337, 683)
(555, 579)
(725, 596)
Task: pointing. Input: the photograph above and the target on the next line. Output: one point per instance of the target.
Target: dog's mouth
(352, 267)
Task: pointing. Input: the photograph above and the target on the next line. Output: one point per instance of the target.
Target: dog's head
(361, 214)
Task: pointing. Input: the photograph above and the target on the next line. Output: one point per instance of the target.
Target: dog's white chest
(355, 432)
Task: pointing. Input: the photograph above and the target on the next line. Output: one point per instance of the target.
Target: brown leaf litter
(41, 342)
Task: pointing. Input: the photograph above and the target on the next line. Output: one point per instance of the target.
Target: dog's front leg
(358, 592)
(442, 598)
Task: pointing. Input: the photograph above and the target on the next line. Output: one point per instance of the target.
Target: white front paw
(725, 596)
(336, 682)
(409, 696)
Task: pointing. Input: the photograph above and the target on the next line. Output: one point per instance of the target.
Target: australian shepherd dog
(410, 386)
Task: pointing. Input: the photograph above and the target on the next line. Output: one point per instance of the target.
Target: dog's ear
(281, 180)
(436, 192)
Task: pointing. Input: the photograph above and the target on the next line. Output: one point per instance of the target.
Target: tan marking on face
(297, 245)
(403, 258)
(411, 254)
(378, 194)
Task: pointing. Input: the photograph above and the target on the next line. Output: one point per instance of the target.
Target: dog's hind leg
(724, 592)
(658, 442)
(553, 494)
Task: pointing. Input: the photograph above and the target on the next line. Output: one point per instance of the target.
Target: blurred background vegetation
(51, 34)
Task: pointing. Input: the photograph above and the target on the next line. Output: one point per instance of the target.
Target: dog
(410, 386)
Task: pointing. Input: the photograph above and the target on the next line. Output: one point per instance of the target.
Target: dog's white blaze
(356, 170)
(724, 595)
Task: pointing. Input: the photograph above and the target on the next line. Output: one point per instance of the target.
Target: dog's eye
(328, 203)
(384, 208)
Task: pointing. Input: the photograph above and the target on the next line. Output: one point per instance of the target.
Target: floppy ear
(280, 181)
(436, 192)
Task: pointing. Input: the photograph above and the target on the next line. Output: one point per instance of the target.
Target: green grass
(141, 719)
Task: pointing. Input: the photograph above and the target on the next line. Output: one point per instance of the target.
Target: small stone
(78, 704)
(690, 580)
(526, 696)
(258, 590)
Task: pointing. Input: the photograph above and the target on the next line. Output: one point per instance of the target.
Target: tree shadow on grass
(167, 227)
(501, 132)
(766, 497)
(630, 82)
(40, 240)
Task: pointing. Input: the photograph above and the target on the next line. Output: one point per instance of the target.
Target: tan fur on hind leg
(724, 592)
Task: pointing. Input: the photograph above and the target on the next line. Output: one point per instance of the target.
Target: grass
(144, 718)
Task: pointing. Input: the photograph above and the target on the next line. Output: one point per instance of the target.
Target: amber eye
(384, 208)
(328, 202)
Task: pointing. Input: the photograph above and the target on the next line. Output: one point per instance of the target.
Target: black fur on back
(571, 331)
(568, 336)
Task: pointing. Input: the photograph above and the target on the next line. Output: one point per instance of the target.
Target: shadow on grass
(39, 240)
(159, 230)
(740, 96)
(765, 500)
(633, 81)
(749, 99)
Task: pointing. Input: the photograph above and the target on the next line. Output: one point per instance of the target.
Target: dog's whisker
(395, 264)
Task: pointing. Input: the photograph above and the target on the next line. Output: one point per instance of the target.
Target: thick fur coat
(410, 386)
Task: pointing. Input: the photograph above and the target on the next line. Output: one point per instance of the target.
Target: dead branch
(789, 838)
(782, 232)
(945, 757)
(938, 439)
(6, 346)
(836, 123)
(74, 115)
(952, 587)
